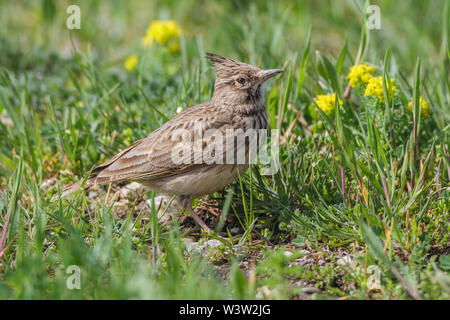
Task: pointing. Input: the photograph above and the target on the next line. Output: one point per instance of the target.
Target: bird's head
(238, 83)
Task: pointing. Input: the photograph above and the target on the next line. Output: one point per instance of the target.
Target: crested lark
(207, 163)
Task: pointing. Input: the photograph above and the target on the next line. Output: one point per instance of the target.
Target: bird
(172, 161)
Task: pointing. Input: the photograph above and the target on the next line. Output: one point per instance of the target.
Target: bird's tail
(74, 187)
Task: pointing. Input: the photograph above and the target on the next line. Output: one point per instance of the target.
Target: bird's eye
(240, 80)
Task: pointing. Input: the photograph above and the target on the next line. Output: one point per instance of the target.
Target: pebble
(234, 230)
(288, 253)
(131, 187)
(201, 247)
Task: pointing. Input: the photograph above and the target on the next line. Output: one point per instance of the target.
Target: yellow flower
(424, 107)
(163, 32)
(131, 62)
(327, 102)
(360, 73)
(375, 88)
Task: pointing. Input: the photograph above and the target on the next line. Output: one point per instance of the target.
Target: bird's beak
(266, 74)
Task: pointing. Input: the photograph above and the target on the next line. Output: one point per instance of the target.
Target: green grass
(359, 208)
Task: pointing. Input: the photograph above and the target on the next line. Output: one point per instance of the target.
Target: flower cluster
(327, 102)
(424, 107)
(369, 90)
(360, 74)
(166, 33)
(375, 88)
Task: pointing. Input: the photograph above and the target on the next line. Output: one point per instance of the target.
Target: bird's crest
(225, 66)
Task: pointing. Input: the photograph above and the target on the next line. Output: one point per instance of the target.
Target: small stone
(192, 247)
(288, 253)
(213, 243)
(199, 247)
(131, 187)
(234, 230)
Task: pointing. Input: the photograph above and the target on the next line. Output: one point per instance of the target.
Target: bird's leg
(186, 203)
(199, 220)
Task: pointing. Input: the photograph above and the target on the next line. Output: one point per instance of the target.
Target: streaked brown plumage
(237, 103)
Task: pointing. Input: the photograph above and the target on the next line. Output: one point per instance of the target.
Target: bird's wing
(153, 156)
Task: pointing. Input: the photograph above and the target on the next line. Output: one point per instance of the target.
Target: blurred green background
(243, 29)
